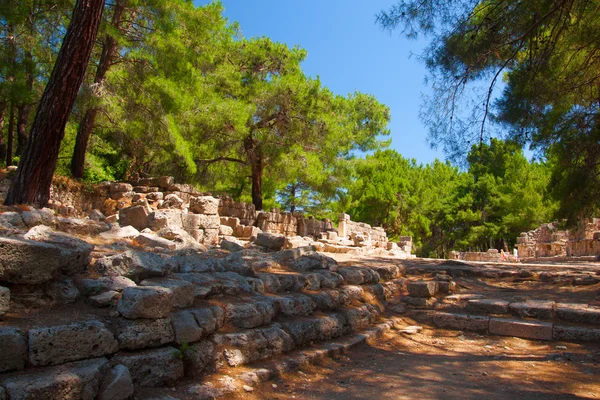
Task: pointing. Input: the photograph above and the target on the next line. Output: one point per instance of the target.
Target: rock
(204, 205)
(60, 344)
(271, 241)
(78, 380)
(230, 244)
(533, 309)
(447, 286)
(117, 384)
(165, 181)
(419, 301)
(153, 241)
(136, 216)
(185, 327)
(11, 219)
(142, 333)
(134, 264)
(65, 291)
(578, 313)
(423, 288)
(181, 238)
(75, 254)
(112, 219)
(250, 314)
(118, 233)
(575, 333)
(13, 347)
(105, 283)
(153, 367)
(314, 261)
(225, 230)
(32, 218)
(4, 300)
(145, 302)
(165, 219)
(81, 227)
(199, 358)
(523, 329)
(96, 215)
(466, 322)
(398, 308)
(118, 187)
(358, 275)
(209, 319)
(27, 261)
(487, 306)
(183, 291)
(207, 222)
(105, 299)
(295, 242)
(172, 201)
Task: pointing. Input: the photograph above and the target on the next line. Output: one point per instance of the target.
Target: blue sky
(349, 52)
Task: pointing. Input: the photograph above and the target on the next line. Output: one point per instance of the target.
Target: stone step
(523, 328)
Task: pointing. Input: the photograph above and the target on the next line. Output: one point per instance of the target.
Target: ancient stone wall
(359, 231)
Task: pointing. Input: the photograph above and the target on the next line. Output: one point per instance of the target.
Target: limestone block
(152, 241)
(533, 309)
(75, 254)
(421, 302)
(117, 187)
(208, 221)
(487, 306)
(209, 319)
(151, 368)
(117, 384)
(165, 181)
(136, 216)
(249, 315)
(185, 327)
(388, 272)
(423, 288)
(63, 343)
(81, 226)
(311, 261)
(64, 291)
(211, 237)
(578, 313)
(231, 244)
(13, 347)
(4, 300)
(124, 197)
(200, 357)
(134, 264)
(142, 333)
(105, 299)
(225, 230)
(358, 275)
(360, 317)
(295, 305)
(77, 380)
(12, 219)
(155, 196)
(204, 205)
(270, 240)
(523, 329)
(172, 201)
(105, 283)
(27, 261)
(183, 291)
(158, 220)
(575, 333)
(447, 286)
(476, 323)
(96, 215)
(34, 217)
(145, 302)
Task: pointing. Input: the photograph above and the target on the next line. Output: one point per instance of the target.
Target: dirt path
(445, 364)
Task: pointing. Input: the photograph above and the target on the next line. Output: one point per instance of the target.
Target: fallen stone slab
(533, 309)
(576, 333)
(270, 240)
(77, 380)
(183, 291)
(143, 333)
(423, 288)
(151, 368)
(578, 313)
(117, 385)
(475, 323)
(59, 344)
(145, 302)
(487, 306)
(13, 347)
(523, 329)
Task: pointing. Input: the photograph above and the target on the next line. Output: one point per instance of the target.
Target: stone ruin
(549, 241)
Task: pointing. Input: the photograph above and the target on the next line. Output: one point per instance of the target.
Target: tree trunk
(293, 196)
(11, 135)
(23, 112)
(32, 182)
(86, 125)
(257, 173)
(2, 145)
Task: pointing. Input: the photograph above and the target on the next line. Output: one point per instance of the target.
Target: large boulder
(136, 216)
(271, 241)
(75, 253)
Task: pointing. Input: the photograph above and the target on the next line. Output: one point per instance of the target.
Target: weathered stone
(173, 201)
(465, 322)
(419, 301)
(447, 286)
(313, 261)
(105, 299)
(63, 343)
(209, 319)
(578, 313)
(183, 291)
(4, 300)
(165, 219)
(533, 309)
(388, 272)
(423, 288)
(105, 283)
(134, 264)
(117, 384)
(65, 291)
(295, 305)
(208, 222)
(199, 358)
(204, 205)
(27, 261)
(74, 252)
(153, 367)
(136, 216)
(225, 230)
(250, 314)
(185, 327)
(118, 233)
(118, 187)
(575, 333)
(73, 381)
(150, 240)
(270, 240)
(487, 306)
(523, 329)
(232, 245)
(165, 181)
(145, 302)
(11, 219)
(142, 333)
(358, 275)
(13, 347)
(34, 217)
(360, 317)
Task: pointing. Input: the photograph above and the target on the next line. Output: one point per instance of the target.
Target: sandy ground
(445, 364)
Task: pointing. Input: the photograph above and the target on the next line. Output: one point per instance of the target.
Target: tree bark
(257, 174)
(32, 182)
(11, 135)
(23, 112)
(2, 145)
(86, 125)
